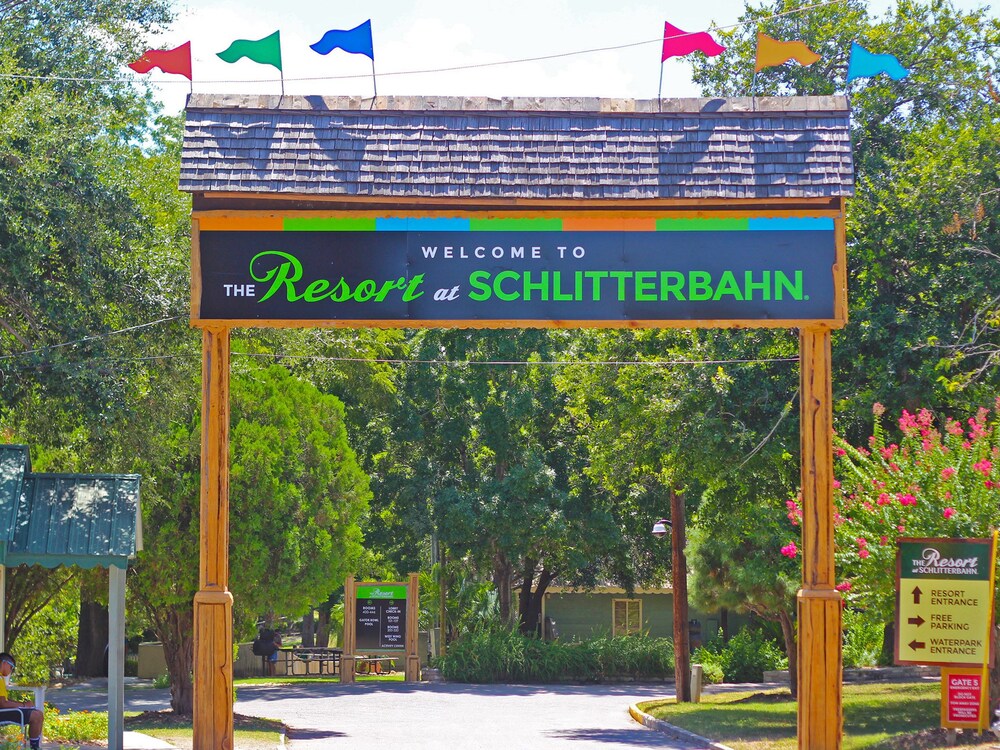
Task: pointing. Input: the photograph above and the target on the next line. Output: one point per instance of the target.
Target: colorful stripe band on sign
(567, 224)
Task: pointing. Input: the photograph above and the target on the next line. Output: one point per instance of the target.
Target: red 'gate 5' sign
(962, 698)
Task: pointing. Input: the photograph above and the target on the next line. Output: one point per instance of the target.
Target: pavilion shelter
(87, 520)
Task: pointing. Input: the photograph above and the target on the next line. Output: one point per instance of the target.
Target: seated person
(19, 713)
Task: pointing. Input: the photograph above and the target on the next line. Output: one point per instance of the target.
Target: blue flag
(357, 41)
(864, 64)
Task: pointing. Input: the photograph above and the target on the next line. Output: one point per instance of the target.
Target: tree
(933, 483)
(480, 446)
(734, 555)
(297, 499)
(922, 229)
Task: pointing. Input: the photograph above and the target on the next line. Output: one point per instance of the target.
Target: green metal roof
(87, 520)
(15, 463)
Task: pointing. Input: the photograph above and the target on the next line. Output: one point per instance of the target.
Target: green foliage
(77, 726)
(745, 658)
(862, 639)
(711, 668)
(500, 654)
(922, 230)
(161, 681)
(935, 482)
(48, 638)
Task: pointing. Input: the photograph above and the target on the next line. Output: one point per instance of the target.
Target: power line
(425, 71)
(521, 363)
(94, 337)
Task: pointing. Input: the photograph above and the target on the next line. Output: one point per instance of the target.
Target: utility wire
(94, 337)
(425, 71)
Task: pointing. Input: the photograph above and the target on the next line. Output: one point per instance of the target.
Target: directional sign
(380, 617)
(944, 601)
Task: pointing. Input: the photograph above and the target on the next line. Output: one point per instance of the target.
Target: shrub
(862, 639)
(77, 726)
(744, 659)
(711, 669)
(505, 655)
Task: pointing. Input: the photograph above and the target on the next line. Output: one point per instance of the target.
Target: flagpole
(659, 91)
(374, 85)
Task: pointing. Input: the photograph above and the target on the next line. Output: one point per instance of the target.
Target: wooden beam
(412, 668)
(213, 604)
(350, 634)
(820, 710)
(231, 200)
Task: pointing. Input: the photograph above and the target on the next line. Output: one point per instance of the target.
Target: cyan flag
(357, 41)
(864, 64)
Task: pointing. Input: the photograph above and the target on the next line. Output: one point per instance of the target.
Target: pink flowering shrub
(929, 480)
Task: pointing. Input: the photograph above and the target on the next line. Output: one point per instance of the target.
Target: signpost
(944, 617)
(380, 619)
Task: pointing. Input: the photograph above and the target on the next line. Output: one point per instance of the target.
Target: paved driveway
(457, 717)
(425, 716)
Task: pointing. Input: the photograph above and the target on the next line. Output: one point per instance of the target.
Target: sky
(411, 35)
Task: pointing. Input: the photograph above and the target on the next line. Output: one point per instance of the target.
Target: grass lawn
(249, 732)
(881, 716)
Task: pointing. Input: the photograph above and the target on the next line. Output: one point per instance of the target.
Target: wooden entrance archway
(268, 172)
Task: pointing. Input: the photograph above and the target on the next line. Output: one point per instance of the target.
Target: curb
(665, 727)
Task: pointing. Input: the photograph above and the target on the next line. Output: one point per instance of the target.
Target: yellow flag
(771, 52)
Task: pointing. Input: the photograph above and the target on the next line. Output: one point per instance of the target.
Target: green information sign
(380, 617)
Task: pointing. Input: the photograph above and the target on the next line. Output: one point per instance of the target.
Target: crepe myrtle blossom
(923, 475)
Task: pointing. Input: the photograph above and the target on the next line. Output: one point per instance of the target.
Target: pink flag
(677, 43)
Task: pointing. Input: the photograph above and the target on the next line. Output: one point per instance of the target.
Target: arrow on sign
(916, 594)
(918, 621)
(914, 644)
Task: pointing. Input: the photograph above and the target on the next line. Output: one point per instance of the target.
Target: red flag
(176, 61)
(677, 43)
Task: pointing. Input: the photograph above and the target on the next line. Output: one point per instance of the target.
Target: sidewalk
(133, 741)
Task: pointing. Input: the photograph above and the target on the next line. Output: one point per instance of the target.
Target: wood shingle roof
(598, 149)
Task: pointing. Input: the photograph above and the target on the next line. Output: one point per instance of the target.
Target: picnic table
(309, 660)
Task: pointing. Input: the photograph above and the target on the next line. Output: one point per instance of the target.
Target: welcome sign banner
(438, 271)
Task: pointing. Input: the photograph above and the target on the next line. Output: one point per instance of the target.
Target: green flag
(266, 51)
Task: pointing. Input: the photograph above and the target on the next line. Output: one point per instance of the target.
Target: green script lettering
(284, 275)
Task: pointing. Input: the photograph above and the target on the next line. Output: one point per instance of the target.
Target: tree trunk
(791, 648)
(682, 646)
(308, 629)
(177, 635)
(888, 654)
(531, 601)
(724, 625)
(92, 640)
(501, 582)
(323, 628)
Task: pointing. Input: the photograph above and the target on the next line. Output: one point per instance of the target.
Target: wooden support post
(820, 711)
(682, 640)
(350, 634)
(213, 604)
(116, 658)
(412, 668)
